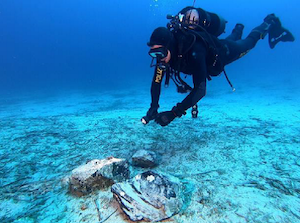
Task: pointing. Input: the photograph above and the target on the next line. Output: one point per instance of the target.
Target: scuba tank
(198, 19)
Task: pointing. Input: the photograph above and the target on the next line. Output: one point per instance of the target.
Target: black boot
(238, 30)
(261, 31)
(236, 33)
(270, 21)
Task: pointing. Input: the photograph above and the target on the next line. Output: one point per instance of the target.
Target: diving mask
(159, 53)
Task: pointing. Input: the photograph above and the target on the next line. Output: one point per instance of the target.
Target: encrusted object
(144, 158)
(98, 174)
(150, 196)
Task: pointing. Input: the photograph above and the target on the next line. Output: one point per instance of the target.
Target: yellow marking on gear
(159, 74)
(261, 36)
(243, 54)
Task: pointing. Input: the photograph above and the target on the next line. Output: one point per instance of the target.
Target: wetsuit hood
(163, 36)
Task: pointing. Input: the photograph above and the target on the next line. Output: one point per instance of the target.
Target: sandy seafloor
(241, 154)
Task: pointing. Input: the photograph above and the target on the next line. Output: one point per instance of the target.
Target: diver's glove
(151, 114)
(165, 118)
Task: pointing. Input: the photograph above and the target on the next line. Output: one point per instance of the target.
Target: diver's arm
(155, 94)
(195, 95)
(199, 80)
(156, 87)
(165, 118)
(197, 63)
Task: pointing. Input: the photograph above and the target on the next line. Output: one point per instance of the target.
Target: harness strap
(167, 81)
(178, 81)
(216, 57)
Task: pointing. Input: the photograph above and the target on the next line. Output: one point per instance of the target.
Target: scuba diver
(190, 45)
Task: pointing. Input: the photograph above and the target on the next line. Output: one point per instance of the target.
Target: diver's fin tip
(279, 34)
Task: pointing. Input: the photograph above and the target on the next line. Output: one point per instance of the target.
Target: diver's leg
(273, 27)
(237, 49)
(155, 95)
(236, 33)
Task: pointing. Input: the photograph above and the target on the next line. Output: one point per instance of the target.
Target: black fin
(279, 34)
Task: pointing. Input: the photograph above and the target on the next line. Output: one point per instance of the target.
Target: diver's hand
(165, 118)
(151, 114)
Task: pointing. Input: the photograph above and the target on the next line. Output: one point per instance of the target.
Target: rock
(97, 174)
(144, 158)
(150, 197)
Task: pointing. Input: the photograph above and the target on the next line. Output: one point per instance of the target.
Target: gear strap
(229, 82)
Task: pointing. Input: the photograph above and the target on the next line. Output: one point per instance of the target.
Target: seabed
(241, 153)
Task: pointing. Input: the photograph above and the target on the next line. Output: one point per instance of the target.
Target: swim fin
(278, 34)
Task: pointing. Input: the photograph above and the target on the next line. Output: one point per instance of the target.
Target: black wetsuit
(195, 63)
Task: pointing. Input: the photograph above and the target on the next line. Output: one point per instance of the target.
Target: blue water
(63, 44)
(74, 83)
